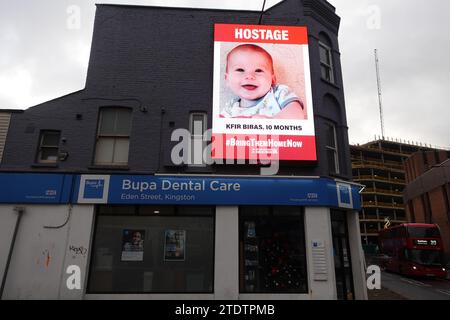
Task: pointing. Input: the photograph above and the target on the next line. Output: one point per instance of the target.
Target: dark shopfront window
(272, 250)
(146, 249)
(342, 258)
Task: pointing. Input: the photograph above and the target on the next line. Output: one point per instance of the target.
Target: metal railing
(378, 164)
(382, 191)
(381, 178)
(383, 204)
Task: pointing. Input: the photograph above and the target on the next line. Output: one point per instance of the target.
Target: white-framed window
(153, 249)
(332, 149)
(113, 136)
(326, 62)
(48, 146)
(197, 128)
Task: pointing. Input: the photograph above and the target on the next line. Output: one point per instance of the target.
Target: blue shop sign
(140, 189)
(35, 188)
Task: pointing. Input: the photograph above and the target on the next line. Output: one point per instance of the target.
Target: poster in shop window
(262, 97)
(174, 245)
(133, 245)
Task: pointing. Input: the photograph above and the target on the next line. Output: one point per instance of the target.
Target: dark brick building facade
(427, 191)
(163, 69)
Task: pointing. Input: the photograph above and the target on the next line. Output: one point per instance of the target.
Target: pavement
(416, 288)
(384, 294)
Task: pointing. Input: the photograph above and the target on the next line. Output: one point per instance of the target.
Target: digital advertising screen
(262, 100)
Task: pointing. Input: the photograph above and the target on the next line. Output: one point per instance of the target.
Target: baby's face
(249, 75)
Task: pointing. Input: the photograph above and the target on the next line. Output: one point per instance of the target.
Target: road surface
(416, 289)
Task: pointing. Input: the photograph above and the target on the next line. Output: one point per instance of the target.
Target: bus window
(423, 232)
(425, 257)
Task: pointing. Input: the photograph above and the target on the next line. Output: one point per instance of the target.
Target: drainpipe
(20, 211)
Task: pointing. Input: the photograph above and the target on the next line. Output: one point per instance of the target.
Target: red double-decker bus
(413, 249)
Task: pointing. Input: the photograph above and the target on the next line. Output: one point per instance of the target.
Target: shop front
(194, 237)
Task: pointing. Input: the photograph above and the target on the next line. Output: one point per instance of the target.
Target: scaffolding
(379, 165)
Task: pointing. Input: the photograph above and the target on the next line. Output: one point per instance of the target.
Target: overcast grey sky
(44, 52)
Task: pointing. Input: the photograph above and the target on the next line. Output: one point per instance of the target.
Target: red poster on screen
(262, 107)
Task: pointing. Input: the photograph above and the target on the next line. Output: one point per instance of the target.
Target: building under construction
(379, 165)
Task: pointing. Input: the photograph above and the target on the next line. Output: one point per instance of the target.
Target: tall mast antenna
(380, 100)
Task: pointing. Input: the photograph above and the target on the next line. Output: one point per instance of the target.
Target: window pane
(198, 117)
(273, 252)
(48, 154)
(104, 151)
(154, 267)
(50, 139)
(324, 55)
(254, 211)
(194, 211)
(331, 156)
(121, 149)
(326, 63)
(48, 146)
(158, 211)
(107, 121)
(325, 72)
(197, 124)
(331, 138)
(286, 211)
(198, 128)
(330, 75)
(426, 257)
(423, 232)
(123, 122)
(117, 210)
(197, 147)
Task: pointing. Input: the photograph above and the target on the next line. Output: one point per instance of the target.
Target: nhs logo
(93, 189)
(51, 193)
